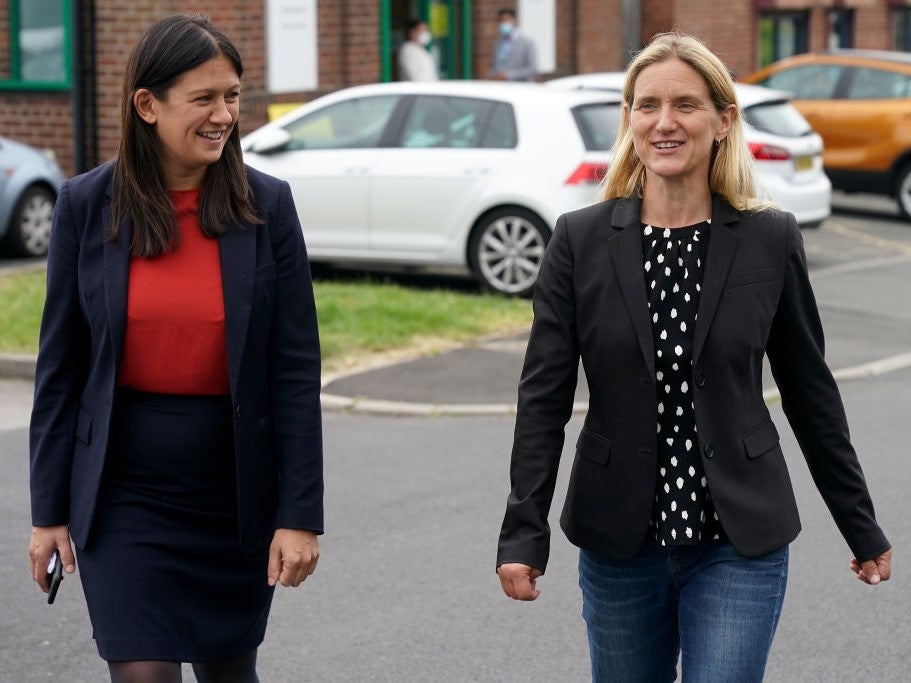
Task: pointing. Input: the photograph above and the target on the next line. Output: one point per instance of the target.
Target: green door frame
(386, 37)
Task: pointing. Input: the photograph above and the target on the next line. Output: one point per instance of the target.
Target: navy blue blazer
(272, 349)
(590, 302)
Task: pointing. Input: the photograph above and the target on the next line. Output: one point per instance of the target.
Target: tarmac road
(406, 589)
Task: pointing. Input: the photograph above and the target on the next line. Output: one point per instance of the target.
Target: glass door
(450, 24)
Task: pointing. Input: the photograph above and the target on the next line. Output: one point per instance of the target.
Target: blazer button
(709, 450)
(237, 410)
(700, 380)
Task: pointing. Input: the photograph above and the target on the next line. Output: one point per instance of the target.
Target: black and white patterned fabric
(674, 260)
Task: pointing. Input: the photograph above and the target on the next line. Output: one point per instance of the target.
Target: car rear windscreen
(598, 124)
(777, 118)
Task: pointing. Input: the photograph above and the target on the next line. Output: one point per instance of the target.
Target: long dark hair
(163, 53)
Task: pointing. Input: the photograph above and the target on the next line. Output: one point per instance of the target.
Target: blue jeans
(707, 602)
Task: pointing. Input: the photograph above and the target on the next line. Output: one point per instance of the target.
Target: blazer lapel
(722, 245)
(116, 257)
(626, 253)
(237, 249)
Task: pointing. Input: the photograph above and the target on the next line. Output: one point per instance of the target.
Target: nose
(221, 113)
(666, 120)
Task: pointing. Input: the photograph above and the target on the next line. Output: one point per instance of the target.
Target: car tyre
(30, 225)
(506, 250)
(903, 192)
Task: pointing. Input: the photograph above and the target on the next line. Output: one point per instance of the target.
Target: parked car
(29, 182)
(786, 150)
(860, 102)
(452, 174)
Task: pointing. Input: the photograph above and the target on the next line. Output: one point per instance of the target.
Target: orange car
(859, 101)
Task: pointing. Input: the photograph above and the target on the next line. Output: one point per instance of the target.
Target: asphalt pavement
(406, 589)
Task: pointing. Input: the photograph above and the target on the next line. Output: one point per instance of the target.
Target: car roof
(612, 81)
(881, 55)
(507, 91)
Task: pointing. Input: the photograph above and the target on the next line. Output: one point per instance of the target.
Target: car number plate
(803, 163)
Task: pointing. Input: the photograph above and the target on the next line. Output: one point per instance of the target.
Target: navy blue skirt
(163, 573)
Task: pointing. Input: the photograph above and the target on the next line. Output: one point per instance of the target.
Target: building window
(781, 34)
(901, 29)
(40, 40)
(841, 29)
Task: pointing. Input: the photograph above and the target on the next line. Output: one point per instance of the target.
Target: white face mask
(424, 37)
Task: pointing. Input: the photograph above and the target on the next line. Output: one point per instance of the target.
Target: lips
(213, 135)
(667, 145)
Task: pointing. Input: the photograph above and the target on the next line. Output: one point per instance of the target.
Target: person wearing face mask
(415, 62)
(514, 57)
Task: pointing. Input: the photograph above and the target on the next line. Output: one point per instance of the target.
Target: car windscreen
(598, 124)
(777, 118)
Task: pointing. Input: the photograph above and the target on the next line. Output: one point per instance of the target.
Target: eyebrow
(205, 91)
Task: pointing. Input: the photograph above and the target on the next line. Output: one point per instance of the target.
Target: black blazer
(590, 301)
(272, 349)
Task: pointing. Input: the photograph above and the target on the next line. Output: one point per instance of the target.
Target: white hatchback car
(786, 150)
(452, 174)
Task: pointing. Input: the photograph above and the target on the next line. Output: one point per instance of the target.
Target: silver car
(29, 182)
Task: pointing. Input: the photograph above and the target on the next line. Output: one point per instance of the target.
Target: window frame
(14, 82)
(801, 21)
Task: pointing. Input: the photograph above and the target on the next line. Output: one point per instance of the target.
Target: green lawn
(357, 318)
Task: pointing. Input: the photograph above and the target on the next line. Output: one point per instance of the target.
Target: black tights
(237, 670)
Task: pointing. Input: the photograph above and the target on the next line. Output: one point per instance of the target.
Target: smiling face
(674, 123)
(193, 120)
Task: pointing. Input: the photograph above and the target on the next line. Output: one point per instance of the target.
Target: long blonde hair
(731, 173)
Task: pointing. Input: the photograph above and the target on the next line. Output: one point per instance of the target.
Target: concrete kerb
(22, 366)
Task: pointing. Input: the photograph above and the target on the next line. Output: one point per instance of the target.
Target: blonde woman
(671, 291)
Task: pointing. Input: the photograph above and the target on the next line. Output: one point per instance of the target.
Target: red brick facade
(591, 35)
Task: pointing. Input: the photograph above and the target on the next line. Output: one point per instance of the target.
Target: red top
(175, 331)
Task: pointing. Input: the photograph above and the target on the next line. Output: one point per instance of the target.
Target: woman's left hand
(292, 556)
(874, 571)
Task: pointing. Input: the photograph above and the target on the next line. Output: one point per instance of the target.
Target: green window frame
(17, 63)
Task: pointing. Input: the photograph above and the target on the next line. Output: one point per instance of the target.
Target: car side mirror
(270, 140)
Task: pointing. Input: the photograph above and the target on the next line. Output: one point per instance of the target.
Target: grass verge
(359, 320)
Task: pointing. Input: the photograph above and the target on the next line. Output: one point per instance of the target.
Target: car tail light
(763, 152)
(587, 172)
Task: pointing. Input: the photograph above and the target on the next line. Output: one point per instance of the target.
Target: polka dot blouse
(683, 512)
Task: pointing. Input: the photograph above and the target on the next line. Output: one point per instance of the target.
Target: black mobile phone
(54, 575)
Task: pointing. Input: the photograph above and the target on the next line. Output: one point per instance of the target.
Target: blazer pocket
(761, 439)
(594, 447)
(84, 426)
(745, 278)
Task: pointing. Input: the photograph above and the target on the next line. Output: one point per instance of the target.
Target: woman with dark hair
(176, 430)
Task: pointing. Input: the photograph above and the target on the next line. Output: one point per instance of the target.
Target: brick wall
(599, 41)
(589, 38)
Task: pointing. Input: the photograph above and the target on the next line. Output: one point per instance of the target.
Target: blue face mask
(505, 28)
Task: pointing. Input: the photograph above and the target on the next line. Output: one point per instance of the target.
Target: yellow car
(859, 101)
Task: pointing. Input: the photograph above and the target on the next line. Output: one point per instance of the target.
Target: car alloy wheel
(30, 227)
(903, 192)
(506, 250)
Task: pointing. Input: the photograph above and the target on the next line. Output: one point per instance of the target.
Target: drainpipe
(85, 111)
(78, 96)
(632, 30)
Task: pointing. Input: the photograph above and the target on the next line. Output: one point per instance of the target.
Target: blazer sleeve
(295, 376)
(546, 391)
(813, 406)
(61, 371)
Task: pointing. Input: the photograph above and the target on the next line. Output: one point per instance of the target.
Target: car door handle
(357, 170)
(476, 171)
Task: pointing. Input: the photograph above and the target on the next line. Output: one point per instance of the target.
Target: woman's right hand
(518, 580)
(45, 540)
